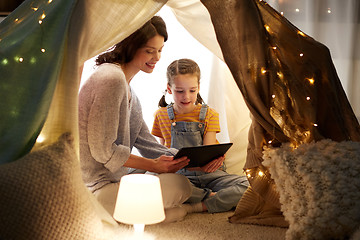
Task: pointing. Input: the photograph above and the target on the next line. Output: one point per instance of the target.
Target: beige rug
(207, 226)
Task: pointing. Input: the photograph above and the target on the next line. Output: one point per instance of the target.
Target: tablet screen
(201, 155)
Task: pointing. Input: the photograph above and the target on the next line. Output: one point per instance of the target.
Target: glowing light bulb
(301, 54)
(40, 21)
(311, 80)
(308, 98)
(315, 125)
(301, 33)
(267, 28)
(263, 70)
(50, 1)
(329, 10)
(248, 175)
(274, 48)
(21, 59)
(43, 16)
(280, 75)
(43, 50)
(297, 10)
(261, 173)
(16, 20)
(270, 141)
(40, 139)
(4, 61)
(282, 13)
(35, 9)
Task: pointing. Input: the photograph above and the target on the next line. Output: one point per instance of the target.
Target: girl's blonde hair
(181, 66)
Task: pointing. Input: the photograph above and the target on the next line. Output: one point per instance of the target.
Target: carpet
(198, 226)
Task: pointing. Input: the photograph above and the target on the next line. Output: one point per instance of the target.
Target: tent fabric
(39, 89)
(288, 82)
(31, 58)
(39, 96)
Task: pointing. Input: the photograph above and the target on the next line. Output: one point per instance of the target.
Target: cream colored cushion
(43, 197)
(319, 187)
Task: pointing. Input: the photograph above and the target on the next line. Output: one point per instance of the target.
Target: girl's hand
(167, 164)
(211, 166)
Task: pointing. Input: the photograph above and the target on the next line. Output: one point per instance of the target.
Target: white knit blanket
(319, 187)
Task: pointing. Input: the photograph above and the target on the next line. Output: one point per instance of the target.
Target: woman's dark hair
(177, 67)
(124, 51)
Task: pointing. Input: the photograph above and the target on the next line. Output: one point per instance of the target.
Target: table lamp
(139, 201)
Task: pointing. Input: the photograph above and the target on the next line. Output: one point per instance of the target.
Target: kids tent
(286, 80)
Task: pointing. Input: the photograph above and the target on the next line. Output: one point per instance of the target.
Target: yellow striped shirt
(162, 124)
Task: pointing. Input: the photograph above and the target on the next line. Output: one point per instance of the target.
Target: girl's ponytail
(162, 102)
(199, 99)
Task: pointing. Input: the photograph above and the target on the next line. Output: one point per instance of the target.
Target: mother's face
(146, 57)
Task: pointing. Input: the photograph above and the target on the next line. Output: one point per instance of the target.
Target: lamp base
(139, 228)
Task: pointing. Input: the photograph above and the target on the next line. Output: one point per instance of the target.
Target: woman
(111, 124)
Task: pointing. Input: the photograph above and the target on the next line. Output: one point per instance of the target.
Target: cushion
(43, 197)
(319, 187)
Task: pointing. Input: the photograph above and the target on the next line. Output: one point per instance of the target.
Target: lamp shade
(139, 200)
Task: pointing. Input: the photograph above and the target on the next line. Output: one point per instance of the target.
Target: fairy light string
(22, 56)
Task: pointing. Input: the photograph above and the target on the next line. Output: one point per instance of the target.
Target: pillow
(43, 197)
(319, 187)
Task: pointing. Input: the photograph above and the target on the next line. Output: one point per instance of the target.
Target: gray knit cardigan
(110, 126)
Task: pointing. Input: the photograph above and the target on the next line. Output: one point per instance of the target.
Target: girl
(111, 124)
(187, 122)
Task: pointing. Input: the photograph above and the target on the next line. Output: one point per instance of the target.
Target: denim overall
(187, 134)
(228, 187)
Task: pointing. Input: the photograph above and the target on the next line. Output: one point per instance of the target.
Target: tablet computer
(201, 155)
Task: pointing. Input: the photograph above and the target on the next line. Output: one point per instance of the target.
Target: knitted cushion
(319, 187)
(44, 197)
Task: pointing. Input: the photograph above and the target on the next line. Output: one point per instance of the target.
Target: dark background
(7, 6)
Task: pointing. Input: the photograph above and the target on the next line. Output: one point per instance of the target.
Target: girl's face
(146, 57)
(184, 88)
